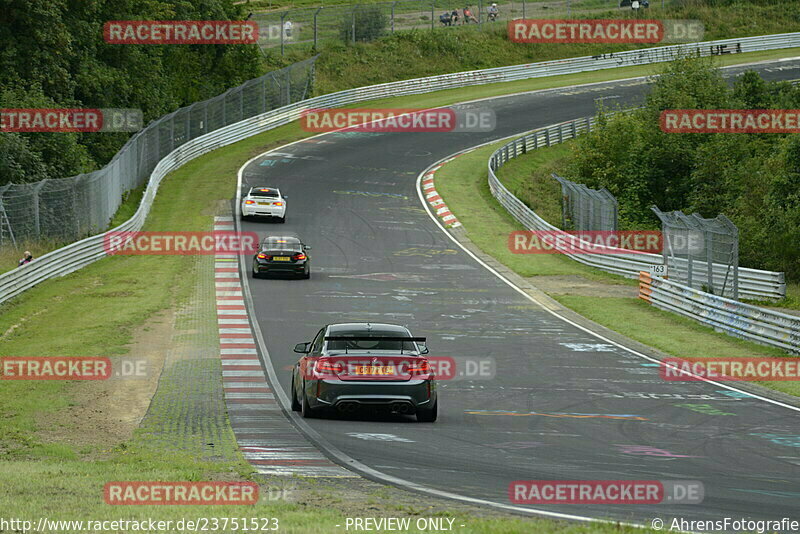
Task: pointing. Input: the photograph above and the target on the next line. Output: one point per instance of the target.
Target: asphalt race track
(563, 404)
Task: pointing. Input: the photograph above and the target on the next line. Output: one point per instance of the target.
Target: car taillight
(419, 368)
(299, 256)
(326, 366)
(249, 201)
(263, 257)
(277, 203)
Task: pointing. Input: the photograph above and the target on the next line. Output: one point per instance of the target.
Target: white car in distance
(264, 202)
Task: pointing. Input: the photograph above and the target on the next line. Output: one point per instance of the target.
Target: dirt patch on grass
(104, 413)
(578, 285)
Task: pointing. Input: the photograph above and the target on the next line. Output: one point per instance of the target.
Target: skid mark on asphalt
(265, 436)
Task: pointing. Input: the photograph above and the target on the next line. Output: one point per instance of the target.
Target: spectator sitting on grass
(26, 258)
(445, 18)
(454, 18)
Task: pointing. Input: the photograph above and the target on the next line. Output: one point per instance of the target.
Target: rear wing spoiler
(376, 338)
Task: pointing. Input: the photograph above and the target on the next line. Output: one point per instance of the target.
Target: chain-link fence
(692, 245)
(585, 209)
(365, 22)
(72, 208)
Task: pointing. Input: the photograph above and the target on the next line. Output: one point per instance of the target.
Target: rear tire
(306, 274)
(305, 410)
(255, 274)
(282, 220)
(428, 415)
(295, 405)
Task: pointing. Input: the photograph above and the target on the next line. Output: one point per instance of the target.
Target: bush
(754, 179)
(368, 23)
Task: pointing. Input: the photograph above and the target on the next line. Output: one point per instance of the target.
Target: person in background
(445, 18)
(26, 258)
(287, 28)
(468, 16)
(454, 17)
(493, 12)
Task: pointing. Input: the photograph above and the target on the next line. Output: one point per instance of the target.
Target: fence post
(393, 4)
(709, 259)
(523, 9)
(480, 13)
(315, 26)
(283, 18)
(263, 95)
(433, 5)
(354, 24)
(735, 254)
(547, 137)
(36, 202)
(3, 214)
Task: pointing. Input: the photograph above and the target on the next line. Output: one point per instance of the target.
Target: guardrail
(753, 283)
(744, 321)
(72, 257)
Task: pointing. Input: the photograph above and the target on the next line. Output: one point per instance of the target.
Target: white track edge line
(553, 312)
(343, 459)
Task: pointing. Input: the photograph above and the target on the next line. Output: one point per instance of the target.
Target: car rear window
(370, 345)
(264, 193)
(282, 243)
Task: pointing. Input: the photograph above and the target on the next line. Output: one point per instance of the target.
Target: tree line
(52, 55)
(754, 179)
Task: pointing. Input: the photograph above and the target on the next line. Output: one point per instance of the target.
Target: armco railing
(735, 318)
(753, 283)
(81, 253)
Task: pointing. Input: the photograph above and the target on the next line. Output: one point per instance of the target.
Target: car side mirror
(306, 247)
(284, 196)
(302, 348)
(424, 350)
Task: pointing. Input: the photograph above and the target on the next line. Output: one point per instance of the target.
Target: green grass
(97, 310)
(422, 52)
(464, 181)
(10, 256)
(529, 179)
(462, 184)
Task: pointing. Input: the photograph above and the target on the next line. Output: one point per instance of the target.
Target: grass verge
(462, 184)
(96, 311)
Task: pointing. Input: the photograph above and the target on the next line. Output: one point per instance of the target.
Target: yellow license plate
(265, 203)
(281, 258)
(374, 370)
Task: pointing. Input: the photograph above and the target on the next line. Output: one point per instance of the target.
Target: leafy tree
(752, 178)
(366, 23)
